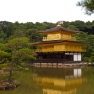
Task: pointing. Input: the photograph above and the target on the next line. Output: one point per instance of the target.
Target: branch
(18, 58)
(3, 61)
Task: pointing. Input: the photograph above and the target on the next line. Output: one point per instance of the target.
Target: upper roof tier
(58, 29)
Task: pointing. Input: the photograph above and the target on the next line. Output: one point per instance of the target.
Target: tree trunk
(12, 65)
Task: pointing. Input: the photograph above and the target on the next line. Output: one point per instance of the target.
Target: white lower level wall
(77, 57)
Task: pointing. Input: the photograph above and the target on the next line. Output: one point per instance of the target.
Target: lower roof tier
(63, 42)
(60, 45)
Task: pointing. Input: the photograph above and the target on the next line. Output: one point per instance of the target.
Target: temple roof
(59, 41)
(57, 28)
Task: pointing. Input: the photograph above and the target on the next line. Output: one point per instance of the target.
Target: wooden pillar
(64, 56)
(54, 56)
(52, 64)
(73, 56)
(57, 64)
(40, 64)
(47, 64)
(69, 57)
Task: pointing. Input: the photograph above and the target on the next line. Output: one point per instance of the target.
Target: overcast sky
(42, 10)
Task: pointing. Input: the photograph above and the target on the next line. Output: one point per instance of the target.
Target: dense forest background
(9, 30)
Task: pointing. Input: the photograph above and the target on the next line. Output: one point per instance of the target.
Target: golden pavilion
(59, 46)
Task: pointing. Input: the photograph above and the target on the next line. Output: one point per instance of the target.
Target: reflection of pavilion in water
(59, 81)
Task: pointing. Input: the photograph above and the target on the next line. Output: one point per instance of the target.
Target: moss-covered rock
(9, 85)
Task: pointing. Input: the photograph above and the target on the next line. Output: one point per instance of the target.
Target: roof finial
(59, 22)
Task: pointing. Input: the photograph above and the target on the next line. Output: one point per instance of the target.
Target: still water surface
(65, 80)
(56, 81)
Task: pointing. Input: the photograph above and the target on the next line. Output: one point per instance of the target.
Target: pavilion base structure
(75, 64)
(58, 58)
(59, 64)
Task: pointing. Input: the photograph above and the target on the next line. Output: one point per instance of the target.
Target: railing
(49, 38)
(54, 38)
(57, 50)
(71, 39)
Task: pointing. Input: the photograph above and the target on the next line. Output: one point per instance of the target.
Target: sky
(42, 11)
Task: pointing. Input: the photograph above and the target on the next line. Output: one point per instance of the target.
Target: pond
(47, 80)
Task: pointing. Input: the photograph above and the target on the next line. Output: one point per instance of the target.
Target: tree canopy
(20, 50)
(88, 5)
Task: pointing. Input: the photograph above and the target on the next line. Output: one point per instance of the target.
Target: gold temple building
(59, 46)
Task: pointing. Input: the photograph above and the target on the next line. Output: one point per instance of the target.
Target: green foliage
(19, 51)
(71, 27)
(88, 5)
(17, 43)
(81, 36)
(87, 59)
(9, 30)
(3, 56)
(24, 53)
(3, 65)
(84, 37)
(34, 35)
(66, 24)
(2, 34)
(79, 24)
(92, 57)
(29, 31)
